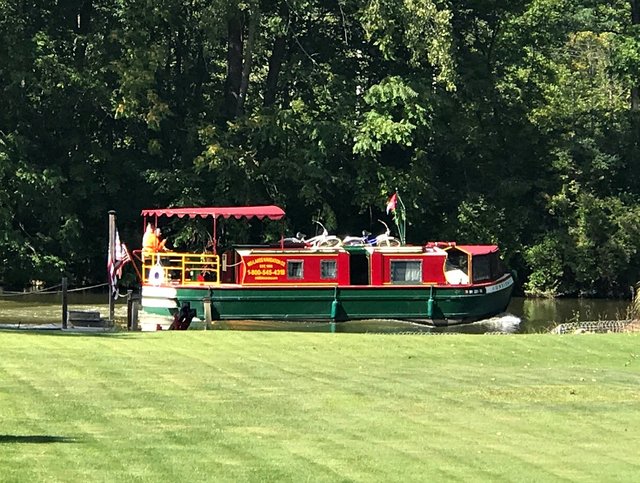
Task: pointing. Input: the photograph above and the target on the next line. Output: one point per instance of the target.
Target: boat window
(294, 269)
(328, 269)
(497, 267)
(456, 267)
(481, 268)
(457, 260)
(406, 271)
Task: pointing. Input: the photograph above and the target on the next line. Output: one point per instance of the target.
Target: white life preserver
(156, 275)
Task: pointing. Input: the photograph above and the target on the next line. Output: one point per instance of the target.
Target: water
(540, 315)
(46, 308)
(522, 316)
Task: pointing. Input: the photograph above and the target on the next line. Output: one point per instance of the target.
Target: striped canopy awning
(259, 211)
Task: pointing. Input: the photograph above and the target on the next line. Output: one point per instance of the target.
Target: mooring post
(129, 309)
(65, 304)
(206, 303)
(112, 256)
(135, 306)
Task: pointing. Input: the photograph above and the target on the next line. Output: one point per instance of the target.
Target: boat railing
(175, 268)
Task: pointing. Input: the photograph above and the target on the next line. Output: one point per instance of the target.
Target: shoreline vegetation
(508, 123)
(265, 406)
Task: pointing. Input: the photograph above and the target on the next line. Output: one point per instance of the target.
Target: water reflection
(522, 316)
(540, 315)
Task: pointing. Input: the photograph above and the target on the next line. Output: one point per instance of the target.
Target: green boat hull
(438, 305)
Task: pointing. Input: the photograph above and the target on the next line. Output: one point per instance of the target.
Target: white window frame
(406, 262)
(300, 263)
(334, 264)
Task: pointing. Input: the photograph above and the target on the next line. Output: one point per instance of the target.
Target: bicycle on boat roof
(323, 240)
(383, 240)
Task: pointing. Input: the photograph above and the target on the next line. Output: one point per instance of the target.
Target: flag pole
(112, 258)
(402, 214)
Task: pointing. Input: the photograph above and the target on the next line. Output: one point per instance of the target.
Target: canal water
(523, 315)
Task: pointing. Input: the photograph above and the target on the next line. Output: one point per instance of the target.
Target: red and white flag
(114, 267)
(391, 204)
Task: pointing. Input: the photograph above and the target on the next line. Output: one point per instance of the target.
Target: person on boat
(160, 243)
(151, 241)
(148, 240)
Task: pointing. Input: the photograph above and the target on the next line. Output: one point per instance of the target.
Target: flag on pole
(391, 203)
(396, 206)
(114, 267)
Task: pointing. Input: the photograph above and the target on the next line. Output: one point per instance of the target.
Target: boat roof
(477, 249)
(259, 211)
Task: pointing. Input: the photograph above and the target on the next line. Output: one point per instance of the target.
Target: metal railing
(173, 268)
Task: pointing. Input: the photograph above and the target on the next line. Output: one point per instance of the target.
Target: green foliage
(421, 28)
(595, 249)
(547, 267)
(505, 123)
(480, 222)
(395, 114)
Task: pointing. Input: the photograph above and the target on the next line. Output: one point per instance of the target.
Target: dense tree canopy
(509, 122)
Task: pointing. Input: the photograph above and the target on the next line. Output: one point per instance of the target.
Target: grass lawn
(276, 406)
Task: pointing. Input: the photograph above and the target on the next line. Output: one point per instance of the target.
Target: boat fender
(156, 275)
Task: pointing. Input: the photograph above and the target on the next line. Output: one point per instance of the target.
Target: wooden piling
(65, 303)
(129, 309)
(132, 310)
(206, 302)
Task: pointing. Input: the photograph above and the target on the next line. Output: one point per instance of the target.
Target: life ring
(156, 275)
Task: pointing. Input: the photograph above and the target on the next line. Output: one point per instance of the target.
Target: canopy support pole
(215, 235)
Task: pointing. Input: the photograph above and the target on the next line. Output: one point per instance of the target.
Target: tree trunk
(635, 20)
(234, 64)
(275, 64)
(179, 77)
(82, 27)
(275, 59)
(254, 21)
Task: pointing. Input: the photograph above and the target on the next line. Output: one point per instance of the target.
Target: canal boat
(437, 283)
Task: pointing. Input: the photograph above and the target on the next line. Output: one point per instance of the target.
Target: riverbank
(265, 406)
(525, 315)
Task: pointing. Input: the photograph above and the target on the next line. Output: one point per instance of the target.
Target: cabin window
(457, 260)
(481, 268)
(406, 271)
(295, 269)
(456, 267)
(497, 267)
(328, 269)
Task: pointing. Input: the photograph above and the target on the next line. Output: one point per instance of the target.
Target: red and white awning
(259, 211)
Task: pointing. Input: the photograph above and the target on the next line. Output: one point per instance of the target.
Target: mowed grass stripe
(267, 406)
(120, 394)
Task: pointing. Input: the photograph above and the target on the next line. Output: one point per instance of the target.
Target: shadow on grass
(71, 333)
(35, 438)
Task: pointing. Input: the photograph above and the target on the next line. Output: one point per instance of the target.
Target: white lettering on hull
(500, 286)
